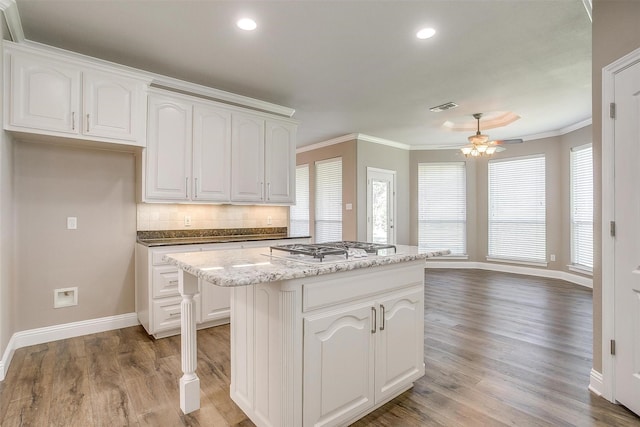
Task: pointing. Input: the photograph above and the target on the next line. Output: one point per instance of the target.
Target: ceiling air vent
(444, 107)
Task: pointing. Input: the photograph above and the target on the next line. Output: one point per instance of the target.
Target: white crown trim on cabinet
(64, 331)
(12, 17)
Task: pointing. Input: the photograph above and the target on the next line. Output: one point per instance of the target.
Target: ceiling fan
(480, 145)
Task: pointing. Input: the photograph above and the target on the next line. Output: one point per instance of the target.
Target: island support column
(189, 383)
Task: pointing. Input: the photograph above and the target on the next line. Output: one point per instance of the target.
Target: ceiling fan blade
(507, 141)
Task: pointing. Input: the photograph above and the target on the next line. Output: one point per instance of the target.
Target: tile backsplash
(171, 217)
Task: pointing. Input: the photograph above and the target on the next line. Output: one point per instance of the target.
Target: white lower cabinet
(363, 355)
(326, 350)
(157, 295)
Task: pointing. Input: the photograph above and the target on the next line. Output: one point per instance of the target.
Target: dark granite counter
(218, 235)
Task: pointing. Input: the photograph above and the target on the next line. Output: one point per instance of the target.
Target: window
(517, 227)
(299, 213)
(582, 206)
(328, 221)
(442, 207)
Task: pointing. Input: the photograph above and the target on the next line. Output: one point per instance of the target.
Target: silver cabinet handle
(262, 191)
(87, 122)
(186, 187)
(173, 282)
(381, 317)
(268, 191)
(195, 188)
(73, 120)
(375, 320)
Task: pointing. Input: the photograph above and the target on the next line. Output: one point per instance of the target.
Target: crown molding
(533, 137)
(11, 15)
(351, 137)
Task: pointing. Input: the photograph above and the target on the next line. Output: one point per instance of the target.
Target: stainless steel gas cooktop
(346, 249)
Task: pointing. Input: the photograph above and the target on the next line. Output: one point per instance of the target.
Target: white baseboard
(517, 269)
(60, 332)
(596, 382)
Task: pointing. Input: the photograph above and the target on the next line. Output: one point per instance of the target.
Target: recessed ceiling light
(425, 33)
(247, 24)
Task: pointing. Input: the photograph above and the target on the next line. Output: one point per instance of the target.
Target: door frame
(394, 204)
(604, 384)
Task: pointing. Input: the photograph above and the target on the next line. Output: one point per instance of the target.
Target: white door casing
(381, 205)
(621, 254)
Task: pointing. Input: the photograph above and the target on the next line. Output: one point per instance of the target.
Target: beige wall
(556, 151)
(346, 150)
(390, 158)
(98, 187)
(154, 216)
(615, 33)
(7, 240)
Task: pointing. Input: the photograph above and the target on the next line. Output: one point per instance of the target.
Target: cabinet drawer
(352, 285)
(165, 281)
(166, 313)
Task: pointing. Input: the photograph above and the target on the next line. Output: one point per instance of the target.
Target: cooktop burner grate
(320, 250)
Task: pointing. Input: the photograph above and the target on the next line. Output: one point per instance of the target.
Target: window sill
(451, 257)
(580, 269)
(518, 261)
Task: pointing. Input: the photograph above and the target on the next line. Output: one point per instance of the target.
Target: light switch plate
(72, 223)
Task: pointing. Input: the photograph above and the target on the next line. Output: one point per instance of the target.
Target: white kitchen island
(311, 344)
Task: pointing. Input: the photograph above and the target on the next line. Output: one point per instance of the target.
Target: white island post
(311, 344)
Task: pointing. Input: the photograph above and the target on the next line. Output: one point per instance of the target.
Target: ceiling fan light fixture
(478, 138)
(478, 144)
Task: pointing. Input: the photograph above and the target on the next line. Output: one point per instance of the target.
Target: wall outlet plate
(65, 297)
(72, 223)
(187, 221)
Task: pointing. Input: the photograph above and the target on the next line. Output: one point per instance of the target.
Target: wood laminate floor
(500, 349)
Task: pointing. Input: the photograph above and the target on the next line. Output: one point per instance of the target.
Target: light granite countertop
(240, 267)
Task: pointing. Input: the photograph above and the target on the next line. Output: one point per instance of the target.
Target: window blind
(517, 204)
(299, 213)
(582, 206)
(442, 207)
(328, 218)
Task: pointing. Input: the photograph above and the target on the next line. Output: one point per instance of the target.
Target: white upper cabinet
(111, 106)
(247, 158)
(263, 160)
(211, 154)
(62, 98)
(45, 95)
(168, 154)
(280, 161)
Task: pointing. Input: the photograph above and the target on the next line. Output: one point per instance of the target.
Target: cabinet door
(211, 154)
(339, 365)
(216, 302)
(280, 162)
(400, 338)
(111, 106)
(168, 158)
(247, 158)
(45, 95)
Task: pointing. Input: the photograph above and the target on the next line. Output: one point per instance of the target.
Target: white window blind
(517, 217)
(299, 213)
(328, 220)
(442, 207)
(582, 206)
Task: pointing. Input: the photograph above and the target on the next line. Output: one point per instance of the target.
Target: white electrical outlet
(269, 220)
(187, 221)
(552, 257)
(72, 223)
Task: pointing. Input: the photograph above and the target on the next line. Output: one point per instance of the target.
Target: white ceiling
(352, 66)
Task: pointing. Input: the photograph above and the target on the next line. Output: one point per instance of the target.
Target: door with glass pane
(381, 202)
